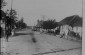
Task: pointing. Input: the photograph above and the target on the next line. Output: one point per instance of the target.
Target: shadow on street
(19, 34)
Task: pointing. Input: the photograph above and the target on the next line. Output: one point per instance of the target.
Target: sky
(32, 10)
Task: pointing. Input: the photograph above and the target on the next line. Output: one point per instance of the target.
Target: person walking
(7, 28)
(33, 37)
(7, 33)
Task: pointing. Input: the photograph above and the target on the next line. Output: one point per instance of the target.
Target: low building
(72, 23)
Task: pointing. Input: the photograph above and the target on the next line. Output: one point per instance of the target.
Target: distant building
(72, 23)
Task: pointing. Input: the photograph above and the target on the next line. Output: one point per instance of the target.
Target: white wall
(64, 29)
(78, 30)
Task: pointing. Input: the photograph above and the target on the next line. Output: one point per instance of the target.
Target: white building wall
(64, 29)
(78, 30)
(61, 30)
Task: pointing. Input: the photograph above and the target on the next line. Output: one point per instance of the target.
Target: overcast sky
(32, 10)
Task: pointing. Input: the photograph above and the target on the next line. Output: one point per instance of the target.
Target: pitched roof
(74, 20)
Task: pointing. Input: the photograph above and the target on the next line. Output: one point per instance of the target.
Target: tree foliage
(3, 3)
(11, 18)
(21, 24)
(3, 14)
(49, 24)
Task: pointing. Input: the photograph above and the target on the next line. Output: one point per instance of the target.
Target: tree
(12, 13)
(21, 24)
(10, 19)
(49, 24)
(3, 3)
(2, 19)
(3, 14)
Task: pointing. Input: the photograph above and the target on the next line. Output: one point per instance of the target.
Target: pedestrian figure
(6, 37)
(7, 28)
(2, 32)
(13, 32)
(62, 35)
(7, 34)
(33, 38)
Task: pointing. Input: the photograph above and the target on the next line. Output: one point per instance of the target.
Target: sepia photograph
(41, 27)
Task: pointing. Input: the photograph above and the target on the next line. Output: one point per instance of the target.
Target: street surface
(23, 44)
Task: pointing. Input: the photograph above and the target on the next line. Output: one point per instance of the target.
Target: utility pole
(43, 17)
(11, 9)
(82, 8)
(82, 17)
(11, 15)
